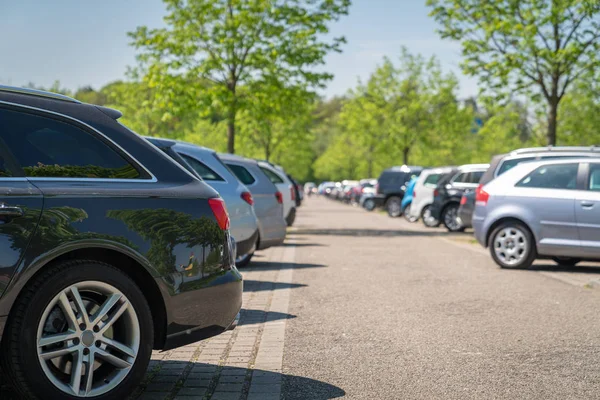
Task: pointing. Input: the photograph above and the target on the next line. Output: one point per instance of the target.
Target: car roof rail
(592, 148)
(37, 93)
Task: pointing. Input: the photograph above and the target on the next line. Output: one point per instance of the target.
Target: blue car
(407, 200)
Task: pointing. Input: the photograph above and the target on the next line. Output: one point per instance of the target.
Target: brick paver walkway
(243, 364)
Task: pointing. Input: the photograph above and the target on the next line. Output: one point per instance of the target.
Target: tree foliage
(239, 43)
(535, 47)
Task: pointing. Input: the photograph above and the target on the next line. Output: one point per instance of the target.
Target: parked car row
(113, 245)
(528, 204)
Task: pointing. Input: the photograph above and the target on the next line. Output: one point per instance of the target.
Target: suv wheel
(291, 217)
(407, 215)
(512, 245)
(369, 204)
(450, 218)
(80, 329)
(566, 261)
(429, 220)
(394, 206)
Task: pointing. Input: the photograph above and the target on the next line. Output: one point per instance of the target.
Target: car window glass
(475, 176)
(557, 176)
(201, 169)
(461, 178)
(594, 180)
(242, 174)
(432, 179)
(4, 171)
(508, 164)
(273, 177)
(45, 147)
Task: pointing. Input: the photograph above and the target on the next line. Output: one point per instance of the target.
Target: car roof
(403, 168)
(234, 157)
(554, 149)
(473, 167)
(438, 170)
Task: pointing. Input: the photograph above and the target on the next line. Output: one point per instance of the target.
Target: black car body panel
(392, 182)
(451, 187)
(158, 228)
(466, 209)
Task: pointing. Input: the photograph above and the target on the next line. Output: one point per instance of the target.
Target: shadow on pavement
(269, 265)
(304, 244)
(250, 317)
(565, 268)
(267, 382)
(293, 387)
(371, 232)
(259, 286)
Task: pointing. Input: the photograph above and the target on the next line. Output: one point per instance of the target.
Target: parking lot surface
(358, 305)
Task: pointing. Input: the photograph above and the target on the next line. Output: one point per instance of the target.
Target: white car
(423, 194)
(285, 186)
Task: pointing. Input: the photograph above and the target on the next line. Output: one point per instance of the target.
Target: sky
(82, 43)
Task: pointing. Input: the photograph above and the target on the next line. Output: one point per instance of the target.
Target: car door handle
(9, 211)
(587, 204)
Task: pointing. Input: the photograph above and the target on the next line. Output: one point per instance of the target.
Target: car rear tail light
(247, 196)
(481, 196)
(435, 193)
(279, 197)
(463, 200)
(217, 205)
(414, 194)
(293, 193)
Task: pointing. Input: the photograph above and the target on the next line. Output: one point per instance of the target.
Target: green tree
(537, 47)
(579, 116)
(236, 43)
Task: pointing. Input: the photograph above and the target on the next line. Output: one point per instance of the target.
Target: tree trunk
(267, 153)
(405, 152)
(370, 168)
(552, 116)
(231, 133)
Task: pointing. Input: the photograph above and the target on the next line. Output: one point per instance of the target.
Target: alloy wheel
(88, 339)
(511, 246)
(451, 218)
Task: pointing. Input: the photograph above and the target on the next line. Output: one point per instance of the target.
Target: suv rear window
(242, 174)
(273, 177)
(432, 180)
(45, 147)
(558, 176)
(204, 171)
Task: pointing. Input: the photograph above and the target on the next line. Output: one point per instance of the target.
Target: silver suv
(544, 209)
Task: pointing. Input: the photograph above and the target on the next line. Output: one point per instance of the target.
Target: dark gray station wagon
(108, 249)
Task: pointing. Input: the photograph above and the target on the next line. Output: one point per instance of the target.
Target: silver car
(544, 209)
(268, 200)
(206, 164)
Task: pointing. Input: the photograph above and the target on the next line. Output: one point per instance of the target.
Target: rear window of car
(202, 169)
(557, 176)
(242, 174)
(475, 176)
(273, 177)
(432, 180)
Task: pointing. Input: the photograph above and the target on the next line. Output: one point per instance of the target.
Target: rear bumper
(206, 310)
(379, 200)
(479, 232)
(247, 246)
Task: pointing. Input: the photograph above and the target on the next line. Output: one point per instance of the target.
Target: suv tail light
(217, 205)
(463, 200)
(247, 196)
(481, 196)
(279, 197)
(293, 193)
(435, 193)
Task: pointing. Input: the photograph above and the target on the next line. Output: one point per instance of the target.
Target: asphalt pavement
(391, 310)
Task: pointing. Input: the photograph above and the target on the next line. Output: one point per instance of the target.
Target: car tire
(369, 204)
(512, 245)
(450, 218)
(394, 206)
(428, 220)
(123, 344)
(291, 217)
(244, 260)
(407, 216)
(566, 261)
